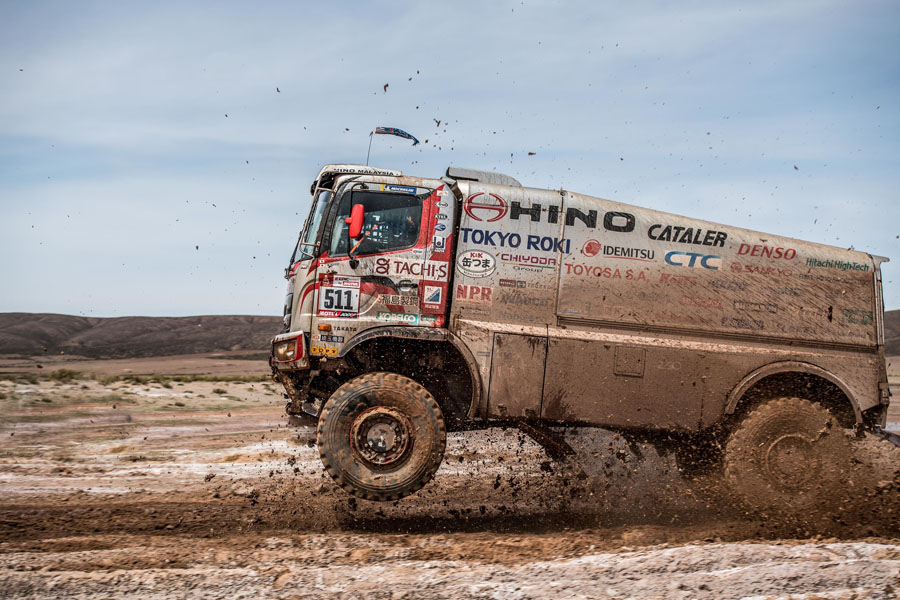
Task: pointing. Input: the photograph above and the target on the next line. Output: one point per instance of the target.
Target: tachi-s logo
(486, 204)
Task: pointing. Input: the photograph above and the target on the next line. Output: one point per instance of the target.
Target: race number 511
(338, 302)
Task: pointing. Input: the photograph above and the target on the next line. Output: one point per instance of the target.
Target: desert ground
(117, 481)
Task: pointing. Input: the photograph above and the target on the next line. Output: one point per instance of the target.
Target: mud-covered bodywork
(564, 308)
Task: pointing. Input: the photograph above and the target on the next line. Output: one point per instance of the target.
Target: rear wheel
(788, 454)
(381, 436)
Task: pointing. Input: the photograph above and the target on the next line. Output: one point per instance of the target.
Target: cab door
(394, 273)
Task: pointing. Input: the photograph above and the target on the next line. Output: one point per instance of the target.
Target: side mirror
(355, 220)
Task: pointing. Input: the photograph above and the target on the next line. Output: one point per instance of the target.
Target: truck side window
(392, 222)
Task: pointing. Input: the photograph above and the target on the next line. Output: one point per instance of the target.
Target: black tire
(358, 419)
(788, 456)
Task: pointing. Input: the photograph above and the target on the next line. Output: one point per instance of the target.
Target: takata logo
(489, 207)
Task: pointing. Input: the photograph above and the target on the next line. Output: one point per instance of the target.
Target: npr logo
(477, 294)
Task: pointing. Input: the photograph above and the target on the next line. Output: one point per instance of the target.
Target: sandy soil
(238, 362)
(199, 489)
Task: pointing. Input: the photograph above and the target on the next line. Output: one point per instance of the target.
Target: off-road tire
(788, 456)
(415, 468)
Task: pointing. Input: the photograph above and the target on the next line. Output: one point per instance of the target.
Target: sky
(156, 157)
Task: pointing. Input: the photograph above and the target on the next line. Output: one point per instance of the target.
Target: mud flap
(890, 436)
(555, 447)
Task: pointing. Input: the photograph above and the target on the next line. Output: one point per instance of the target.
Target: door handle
(407, 284)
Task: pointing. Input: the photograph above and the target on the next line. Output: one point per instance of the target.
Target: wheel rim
(381, 436)
(792, 461)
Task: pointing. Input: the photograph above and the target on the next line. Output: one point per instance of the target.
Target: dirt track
(114, 490)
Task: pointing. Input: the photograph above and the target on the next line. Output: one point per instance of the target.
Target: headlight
(288, 350)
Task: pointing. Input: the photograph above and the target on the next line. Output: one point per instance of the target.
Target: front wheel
(788, 455)
(381, 436)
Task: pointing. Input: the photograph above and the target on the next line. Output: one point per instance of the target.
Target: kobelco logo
(486, 204)
(690, 259)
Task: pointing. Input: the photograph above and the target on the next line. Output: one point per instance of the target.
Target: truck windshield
(306, 244)
(391, 222)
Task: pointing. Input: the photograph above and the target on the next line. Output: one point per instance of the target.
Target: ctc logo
(690, 259)
(485, 202)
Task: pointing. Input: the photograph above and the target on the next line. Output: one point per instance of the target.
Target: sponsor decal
(474, 293)
(406, 318)
(364, 171)
(683, 280)
(442, 204)
(534, 263)
(693, 259)
(668, 365)
(837, 264)
(490, 238)
(789, 291)
(764, 251)
(440, 244)
(547, 244)
(858, 317)
(612, 221)
(743, 323)
(591, 248)
(344, 281)
(440, 227)
(604, 272)
(398, 300)
(476, 263)
(731, 286)
(406, 189)
(334, 339)
(434, 270)
(347, 328)
(499, 239)
(489, 208)
(485, 206)
(629, 253)
(338, 296)
(817, 277)
(687, 235)
(737, 267)
(810, 311)
(512, 283)
(432, 294)
(531, 285)
(525, 300)
(440, 216)
(755, 306)
(323, 351)
(701, 302)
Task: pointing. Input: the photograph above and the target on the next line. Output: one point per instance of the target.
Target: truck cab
(394, 270)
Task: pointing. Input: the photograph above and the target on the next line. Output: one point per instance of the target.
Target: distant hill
(34, 334)
(892, 332)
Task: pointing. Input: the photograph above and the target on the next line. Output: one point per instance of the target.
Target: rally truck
(418, 306)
